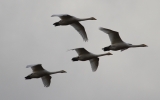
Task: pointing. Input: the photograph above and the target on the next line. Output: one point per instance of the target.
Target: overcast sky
(27, 36)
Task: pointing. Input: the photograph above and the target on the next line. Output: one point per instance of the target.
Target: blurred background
(27, 36)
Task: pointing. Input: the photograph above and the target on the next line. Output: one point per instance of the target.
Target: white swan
(116, 41)
(84, 55)
(73, 21)
(39, 72)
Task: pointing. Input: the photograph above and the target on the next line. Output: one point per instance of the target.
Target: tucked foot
(75, 59)
(28, 77)
(56, 24)
(106, 48)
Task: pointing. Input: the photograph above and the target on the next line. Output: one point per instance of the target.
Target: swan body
(40, 72)
(84, 55)
(116, 41)
(73, 21)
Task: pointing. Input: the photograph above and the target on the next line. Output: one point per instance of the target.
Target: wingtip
(53, 15)
(94, 70)
(46, 86)
(101, 28)
(85, 40)
(28, 66)
(70, 49)
(109, 53)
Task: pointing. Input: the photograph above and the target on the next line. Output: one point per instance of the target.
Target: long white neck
(102, 54)
(55, 72)
(136, 45)
(83, 19)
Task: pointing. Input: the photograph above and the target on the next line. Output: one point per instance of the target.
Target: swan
(84, 55)
(116, 41)
(40, 72)
(73, 21)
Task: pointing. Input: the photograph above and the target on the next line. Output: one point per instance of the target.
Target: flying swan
(73, 21)
(116, 41)
(84, 55)
(39, 72)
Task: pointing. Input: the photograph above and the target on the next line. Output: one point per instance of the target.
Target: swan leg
(75, 59)
(28, 77)
(106, 48)
(56, 24)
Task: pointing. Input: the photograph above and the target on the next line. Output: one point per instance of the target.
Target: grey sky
(28, 37)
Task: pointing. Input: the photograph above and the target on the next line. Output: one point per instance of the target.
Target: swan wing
(81, 30)
(63, 16)
(35, 67)
(94, 63)
(81, 51)
(46, 80)
(113, 35)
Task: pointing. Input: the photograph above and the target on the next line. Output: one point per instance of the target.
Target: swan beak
(94, 18)
(145, 45)
(63, 71)
(109, 53)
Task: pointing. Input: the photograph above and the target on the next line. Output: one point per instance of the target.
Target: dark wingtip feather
(101, 28)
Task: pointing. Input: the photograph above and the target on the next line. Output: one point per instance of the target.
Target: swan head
(109, 53)
(106, 48)
(75, 59)
(63, 71)
(144, 45)
(92, 18)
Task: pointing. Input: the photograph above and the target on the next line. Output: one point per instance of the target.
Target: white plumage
(40, 72)
(116, 41)
(73, 21)
(84, 55)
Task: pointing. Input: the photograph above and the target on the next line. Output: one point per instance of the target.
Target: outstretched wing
(113, 35)
(35, 67)
(81, 51)
(63, 16)
(46, 80)
(94, 63)
(80, 29)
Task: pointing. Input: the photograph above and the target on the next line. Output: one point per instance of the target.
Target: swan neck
(101, 55)
(55, 72)
(136, 46)
(83, 19)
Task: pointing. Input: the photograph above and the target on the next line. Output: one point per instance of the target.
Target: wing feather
(113, 35)
(35, 67)
(94, 63)
(80, 29)
(81, 51)
(46, 80)
(63, 16)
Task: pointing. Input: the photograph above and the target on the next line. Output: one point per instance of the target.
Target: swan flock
(83, 55)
